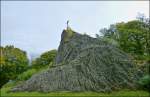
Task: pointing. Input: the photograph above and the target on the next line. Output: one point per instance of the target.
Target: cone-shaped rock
(84, 64)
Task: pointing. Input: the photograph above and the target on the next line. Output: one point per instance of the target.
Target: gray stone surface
(84, 64)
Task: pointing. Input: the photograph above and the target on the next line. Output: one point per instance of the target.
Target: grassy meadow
(125, 93)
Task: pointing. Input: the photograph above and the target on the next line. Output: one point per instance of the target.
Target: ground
(126, 93)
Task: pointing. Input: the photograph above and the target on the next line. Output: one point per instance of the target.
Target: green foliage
(13, 62)
(144, 82)
(45, 59)
(132, 37)
(29, 73)
(26, 75)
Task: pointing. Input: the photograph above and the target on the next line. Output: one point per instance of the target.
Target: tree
(13, 62)
(132, 37)
(44, 60)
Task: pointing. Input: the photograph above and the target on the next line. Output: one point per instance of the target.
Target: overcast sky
(36, 26)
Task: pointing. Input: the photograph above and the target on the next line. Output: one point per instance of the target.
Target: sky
(36, 26)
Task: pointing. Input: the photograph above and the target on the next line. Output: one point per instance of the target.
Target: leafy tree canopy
(132, 37)
(13, 61)
(45, 59)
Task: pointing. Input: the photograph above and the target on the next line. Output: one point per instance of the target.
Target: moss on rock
(67, 34)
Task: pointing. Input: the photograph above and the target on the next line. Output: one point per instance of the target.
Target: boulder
(84, 63)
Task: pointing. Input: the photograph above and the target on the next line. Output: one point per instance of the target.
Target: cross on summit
(67, 24)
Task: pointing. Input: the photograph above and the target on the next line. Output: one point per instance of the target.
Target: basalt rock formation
(84, 63)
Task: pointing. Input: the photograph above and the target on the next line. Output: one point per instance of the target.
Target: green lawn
(137, 93)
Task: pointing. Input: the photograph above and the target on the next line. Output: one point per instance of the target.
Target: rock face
(84, 64)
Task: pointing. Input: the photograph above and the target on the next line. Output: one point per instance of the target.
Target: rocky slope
(84, 64)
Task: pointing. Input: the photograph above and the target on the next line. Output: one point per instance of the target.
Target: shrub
(26, 75)
(13, 61)
(144, 82)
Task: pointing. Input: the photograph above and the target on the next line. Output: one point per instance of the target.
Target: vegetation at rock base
(26, 75)
(144, 82)
(122, 93)
(13, 62)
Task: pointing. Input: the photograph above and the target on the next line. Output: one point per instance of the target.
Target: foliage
(26, 75)
(13, 61)
(132, 37)
(144, 82)
(45, 59)
(29, 73)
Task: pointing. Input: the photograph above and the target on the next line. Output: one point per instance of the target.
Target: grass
(126, 93)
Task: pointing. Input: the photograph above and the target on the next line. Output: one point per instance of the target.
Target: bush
(26, 75)
(144, 82)
(13, 61)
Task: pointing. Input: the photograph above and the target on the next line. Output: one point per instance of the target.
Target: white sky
(36, 26)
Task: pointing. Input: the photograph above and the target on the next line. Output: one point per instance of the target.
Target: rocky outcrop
(84, 64)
